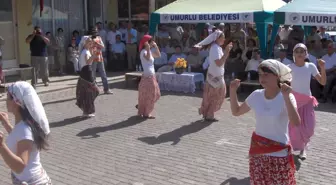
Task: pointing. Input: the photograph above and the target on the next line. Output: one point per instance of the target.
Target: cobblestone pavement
(175, 149)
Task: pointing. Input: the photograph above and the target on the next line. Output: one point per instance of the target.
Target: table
(132, 75)
(185, 82)
(250, 83)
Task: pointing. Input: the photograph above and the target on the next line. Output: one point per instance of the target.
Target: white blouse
(147, 65)
(271, 117)
(216, 52)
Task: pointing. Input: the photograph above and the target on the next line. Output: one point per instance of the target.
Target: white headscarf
(210, 39)
(278, 68)
(300, 45)
(25, 96)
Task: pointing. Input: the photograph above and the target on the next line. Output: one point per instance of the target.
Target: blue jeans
(101, 70)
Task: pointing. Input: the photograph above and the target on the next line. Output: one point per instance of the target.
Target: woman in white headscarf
(214, 89)
(302, 72)
(270, 158)
(29, 135)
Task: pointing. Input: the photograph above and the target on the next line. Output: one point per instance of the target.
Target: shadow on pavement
(94, 132)
(58, 101)
(235, 181)
(67, 121)
(297, 162)
(176, 135)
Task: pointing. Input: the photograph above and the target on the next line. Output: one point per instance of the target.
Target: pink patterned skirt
(149, 93)
(269, 170)
(213, 99)
(300, 134)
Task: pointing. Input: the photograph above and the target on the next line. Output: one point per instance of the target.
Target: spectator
(195, 60)
(330, 66)
(60, 52)
(51, 49)
(39, 56)
(283, 57)
(170, 66)
(118, 55)
(252, 65)
(73, 55)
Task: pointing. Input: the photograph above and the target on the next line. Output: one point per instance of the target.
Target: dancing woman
(86, 90)
(271, 161)
(149, 91)
(29, 135)
(214, 89)
(302, 72)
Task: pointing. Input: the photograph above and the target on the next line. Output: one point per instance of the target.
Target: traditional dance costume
(214, 89)
(300, 134)
(25, 96)
(86, 90)
(271, 161)
(149, 91)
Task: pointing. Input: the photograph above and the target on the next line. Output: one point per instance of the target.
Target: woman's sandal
(149, 117)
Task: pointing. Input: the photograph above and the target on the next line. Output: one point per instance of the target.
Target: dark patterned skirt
(86, 91)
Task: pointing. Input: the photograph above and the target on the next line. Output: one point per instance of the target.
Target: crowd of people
(120, 53)
(283, 108)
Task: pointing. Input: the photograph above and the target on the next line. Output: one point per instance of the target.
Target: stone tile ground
(175, 149)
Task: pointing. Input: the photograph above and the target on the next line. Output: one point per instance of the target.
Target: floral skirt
(149, 93)
(213, 99)
(269, 170)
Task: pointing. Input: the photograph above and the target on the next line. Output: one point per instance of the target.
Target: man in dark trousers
(39, 56)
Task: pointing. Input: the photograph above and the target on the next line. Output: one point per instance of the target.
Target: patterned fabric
(261, 145)
(149, 93)
(43, 179)
(270, 170)
(97, 51)
(213, 99)
(300, 134)
(185, 82)
(86, 93)
(215, 82)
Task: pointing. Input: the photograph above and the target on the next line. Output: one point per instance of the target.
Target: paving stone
(176, 148)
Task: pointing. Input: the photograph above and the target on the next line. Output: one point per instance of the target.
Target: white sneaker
(88, 115)
(303, 155)
(91, 115)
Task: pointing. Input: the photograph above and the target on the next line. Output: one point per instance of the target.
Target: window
(140, 9)
(161, 3)
(6, 11)
(123, 9)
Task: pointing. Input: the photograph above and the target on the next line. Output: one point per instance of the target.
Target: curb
(110, 81)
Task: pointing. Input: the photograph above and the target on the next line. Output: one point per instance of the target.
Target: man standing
(102, 33)
(60, 52)
(97, 48)
(330, 66)
(39, 57)
(131, 46)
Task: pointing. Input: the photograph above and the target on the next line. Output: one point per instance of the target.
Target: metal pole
(129, 11)
(86, 14)
(53, 16)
